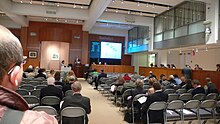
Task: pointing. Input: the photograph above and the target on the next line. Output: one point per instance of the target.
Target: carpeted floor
(103, 111)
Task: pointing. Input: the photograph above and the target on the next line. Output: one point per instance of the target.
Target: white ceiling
(84, 12)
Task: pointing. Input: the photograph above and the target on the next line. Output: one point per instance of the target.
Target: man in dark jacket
(157, 96)
(197, 88)
(51, 90)
(102, 74)
(76, 100)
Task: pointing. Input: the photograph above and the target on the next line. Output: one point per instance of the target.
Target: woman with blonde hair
(70, 73)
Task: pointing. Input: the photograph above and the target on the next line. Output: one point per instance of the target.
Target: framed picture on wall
(32, 54)
(55, 56)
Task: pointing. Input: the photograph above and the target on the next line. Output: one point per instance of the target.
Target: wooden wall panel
(126, 59)
(85, 48)
(197, 74)
(114, 68)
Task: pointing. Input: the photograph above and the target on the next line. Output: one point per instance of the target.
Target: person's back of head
(157, 86)
(102, 71)
(11, 58)
(195, 83)
(50, 81)
(171, 77)
(57, 76)
(71, 79)
(76, 86)
(139, 83)
(208, 79)
(175, 76)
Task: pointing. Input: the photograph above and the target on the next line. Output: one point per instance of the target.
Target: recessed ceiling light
(57, 20)
(30, 1)
(21, 1)
(65, 20)
(113, 1)
(106, 9)
(129, 12)
(138, 3)
(122, 1)
(45, 19)
(58, 4)
(42, 3)
(77, 21)
(81, 7)
(74, 5)
(206, 49)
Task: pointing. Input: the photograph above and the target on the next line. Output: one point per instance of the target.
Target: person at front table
(62, 63)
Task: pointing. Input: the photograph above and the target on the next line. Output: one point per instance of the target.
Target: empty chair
(76, 114)
(40, 86)
(185, 97)
(124, 101)
(211, 96)
(190, 90)
(32, 100)
(156, 106)
(22, 92)
(180, 91)
(68, 93)
(51, 101)
(217, 108)
(199, 97)
(36, 93)
(172, 96)
(188, 114)
(28, 87)
(48, 109)
(174, 110)
(207, 109)
(169, 91)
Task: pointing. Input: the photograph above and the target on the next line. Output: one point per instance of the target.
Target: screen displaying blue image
(111, 50)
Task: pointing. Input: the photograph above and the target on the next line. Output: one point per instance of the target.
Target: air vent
(51, 12)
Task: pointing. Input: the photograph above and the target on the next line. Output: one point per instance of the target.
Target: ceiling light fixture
(141, 14)
(116, 10)
(21, 1)
(74, 5)
(168, 8)
(153, 6)
(65, 20)
(206, 49)
(81, 7)
(42, 3)
(45, 19)
(122, 1)
(113, 1)
(58, 4)
(129, 12)
(180, 51)
(197, 50)
(57, 20)
(106, 9)
(138, 3)
(147, 5)
(77, 21)
(30, 1)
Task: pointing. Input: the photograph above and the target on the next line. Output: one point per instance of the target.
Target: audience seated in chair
(40, 74)
(76, 100)
(126, 77)
(51, 90)
(210, 87)
(197, 88)
(102, 74)
(58, 80)
(67, 86)
(158, 95)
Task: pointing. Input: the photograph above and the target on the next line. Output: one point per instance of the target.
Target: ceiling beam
(6, 7)
(58, 12)
(95, 11)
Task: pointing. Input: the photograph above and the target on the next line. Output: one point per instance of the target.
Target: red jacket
(127, 78)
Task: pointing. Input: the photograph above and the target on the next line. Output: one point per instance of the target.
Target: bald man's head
(76, 86)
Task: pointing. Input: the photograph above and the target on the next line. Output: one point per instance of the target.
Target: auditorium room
(110, 61)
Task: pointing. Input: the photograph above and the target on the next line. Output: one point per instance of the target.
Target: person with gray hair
(76, 100)
(13, 108)
(52, 90)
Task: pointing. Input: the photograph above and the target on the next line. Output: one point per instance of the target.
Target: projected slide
(111, 50)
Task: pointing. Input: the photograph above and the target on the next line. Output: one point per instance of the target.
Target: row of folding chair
(188, 96)
(70, 112)
(47, 100)
(34, 82)
(24, 92)
(31, 87)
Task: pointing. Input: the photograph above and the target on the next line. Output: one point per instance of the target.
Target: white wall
(139, 59)
(108, 31)
(206, 59)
